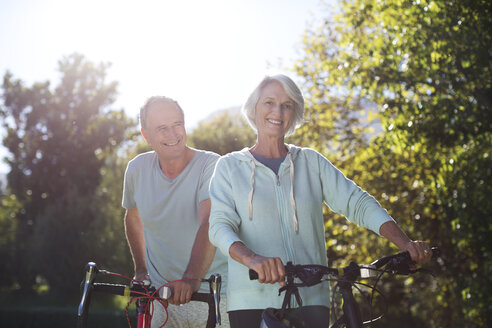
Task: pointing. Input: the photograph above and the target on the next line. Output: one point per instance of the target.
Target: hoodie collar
(245, 155)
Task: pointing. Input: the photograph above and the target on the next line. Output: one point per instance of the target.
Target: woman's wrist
(242, 254)
(391, 231)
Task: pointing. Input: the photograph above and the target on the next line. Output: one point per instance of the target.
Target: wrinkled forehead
(167, 107)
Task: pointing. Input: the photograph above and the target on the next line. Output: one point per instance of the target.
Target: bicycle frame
(351, 311)
(143, 316)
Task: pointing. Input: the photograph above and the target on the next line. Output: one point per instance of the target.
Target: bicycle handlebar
(135, 290)
(163, 293)
(404, 256)
(311, 274)
(139, 290)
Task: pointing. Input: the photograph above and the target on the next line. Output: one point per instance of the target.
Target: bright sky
(206, 54)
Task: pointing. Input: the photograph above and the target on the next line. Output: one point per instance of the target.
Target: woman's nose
(277, 108)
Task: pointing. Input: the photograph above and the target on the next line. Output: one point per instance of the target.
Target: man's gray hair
(292, 90)
(151, 101)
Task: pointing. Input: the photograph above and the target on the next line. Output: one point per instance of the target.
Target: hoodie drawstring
(292, 200)
(250, 197)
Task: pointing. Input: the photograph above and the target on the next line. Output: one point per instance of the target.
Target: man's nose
(170, 132)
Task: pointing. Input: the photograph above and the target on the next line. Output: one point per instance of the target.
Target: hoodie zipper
(280, 204)
(283, 223)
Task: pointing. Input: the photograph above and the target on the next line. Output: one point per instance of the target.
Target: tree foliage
(227, 131)
(59, 140)
(426, 67)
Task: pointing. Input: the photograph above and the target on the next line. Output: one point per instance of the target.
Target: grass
(47, 310)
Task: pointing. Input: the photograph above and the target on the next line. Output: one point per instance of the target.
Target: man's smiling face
(165, 131)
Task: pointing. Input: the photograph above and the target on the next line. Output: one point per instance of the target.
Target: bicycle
(144, 294)
(346, 278)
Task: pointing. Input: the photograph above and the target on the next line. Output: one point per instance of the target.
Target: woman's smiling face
(274, 111)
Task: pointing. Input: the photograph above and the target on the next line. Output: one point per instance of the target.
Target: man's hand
(181, 291)
(144, 279)
(142, 276)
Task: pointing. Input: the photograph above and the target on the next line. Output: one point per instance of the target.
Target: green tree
(227, 131)
(426, 66)
(59, 140)
(9, 208)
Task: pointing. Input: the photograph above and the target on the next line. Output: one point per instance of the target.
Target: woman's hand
(270, 269)
(420, 251)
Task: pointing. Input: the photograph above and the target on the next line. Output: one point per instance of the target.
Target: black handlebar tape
(202, 297)
(112, 289)
(253, 275)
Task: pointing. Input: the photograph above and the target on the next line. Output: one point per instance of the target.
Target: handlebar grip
(253, 275)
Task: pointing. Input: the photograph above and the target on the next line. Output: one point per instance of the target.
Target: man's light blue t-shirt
(169, 212)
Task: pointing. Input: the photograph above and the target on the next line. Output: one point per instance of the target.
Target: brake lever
(90, 275)
(215, 281)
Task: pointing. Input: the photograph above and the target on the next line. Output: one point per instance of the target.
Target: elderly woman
(267, 204)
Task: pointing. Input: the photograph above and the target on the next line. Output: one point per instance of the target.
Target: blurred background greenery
(398, 96)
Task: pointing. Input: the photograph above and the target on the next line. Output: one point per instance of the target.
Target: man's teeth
(171, 144)
(274, 121)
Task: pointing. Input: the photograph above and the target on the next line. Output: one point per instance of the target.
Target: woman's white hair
(292, 90)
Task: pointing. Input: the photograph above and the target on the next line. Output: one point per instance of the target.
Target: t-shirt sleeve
(208, 170)
(128, 199)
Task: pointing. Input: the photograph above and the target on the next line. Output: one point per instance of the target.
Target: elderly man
(166, 197)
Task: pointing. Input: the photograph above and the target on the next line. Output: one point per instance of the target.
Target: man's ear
(144, 134)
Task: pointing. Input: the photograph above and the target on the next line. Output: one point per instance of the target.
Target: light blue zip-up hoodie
(281, 216)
